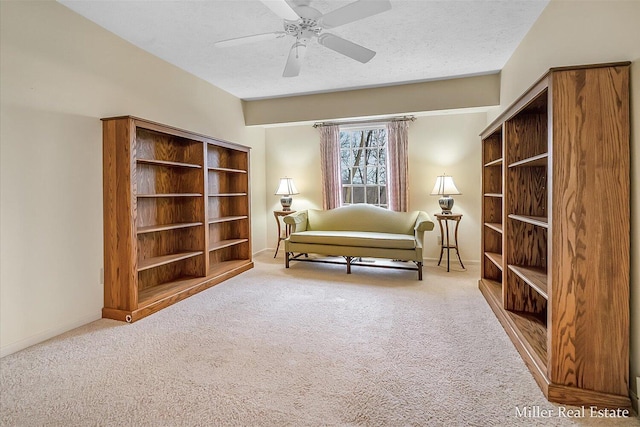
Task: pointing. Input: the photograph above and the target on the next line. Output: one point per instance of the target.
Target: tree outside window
(363, 166)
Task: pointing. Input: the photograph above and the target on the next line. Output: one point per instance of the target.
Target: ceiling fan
(306, 23)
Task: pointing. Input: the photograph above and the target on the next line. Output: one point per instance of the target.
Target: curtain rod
(358, 122)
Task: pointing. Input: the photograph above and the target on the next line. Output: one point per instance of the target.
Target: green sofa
(356, 231)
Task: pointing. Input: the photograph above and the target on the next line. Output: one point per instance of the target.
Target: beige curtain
(398, 166)
(330, 164)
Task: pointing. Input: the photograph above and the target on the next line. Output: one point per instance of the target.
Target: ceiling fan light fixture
(306, 23)
(294, 61)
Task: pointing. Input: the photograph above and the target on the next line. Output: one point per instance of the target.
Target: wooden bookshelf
(492, 205)
(558, 279)
(159, 220)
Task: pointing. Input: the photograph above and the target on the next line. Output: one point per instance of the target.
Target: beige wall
(467, 92)
(60, 74)
(584, 32)
(437, 144)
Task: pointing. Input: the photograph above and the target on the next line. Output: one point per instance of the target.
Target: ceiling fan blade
(282, 9)
(345, 47)
(249, 39)
(353, 12)
(294, 61)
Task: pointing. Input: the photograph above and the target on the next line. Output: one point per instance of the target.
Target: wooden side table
(444, 232)
(287, 228)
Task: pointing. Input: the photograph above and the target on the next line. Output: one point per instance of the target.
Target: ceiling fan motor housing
(303, 29)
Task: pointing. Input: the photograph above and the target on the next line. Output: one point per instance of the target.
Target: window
(363, 165)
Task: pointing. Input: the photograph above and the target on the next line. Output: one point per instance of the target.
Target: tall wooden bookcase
(555, 231)
(176, 215)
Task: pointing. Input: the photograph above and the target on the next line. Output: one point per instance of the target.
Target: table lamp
(286, 189)
(445, 187)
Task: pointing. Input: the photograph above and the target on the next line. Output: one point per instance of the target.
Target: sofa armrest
(297, 221)
(423, 223)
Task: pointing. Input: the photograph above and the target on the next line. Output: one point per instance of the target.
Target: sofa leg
(348, 264)
(420, 271)
(286, 259)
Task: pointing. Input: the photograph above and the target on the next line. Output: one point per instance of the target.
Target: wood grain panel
(491, 271)
(221, 157)
(168, 273)
(527, 244)
(492, 209)
(224, 182)
(539, 160)
(535, 277)
(228, 230)
(168, 242)
(526, 134)
(578, 397)
(532, 332)
(520, 297)
(492, 179)
(120, 262)
(161, 146)
(492, 240)
(492, 147)
(229, 253)
(169, 210)
(161, 260)
(227, 206)
(154, 179)
(590, 275)
(528, 187)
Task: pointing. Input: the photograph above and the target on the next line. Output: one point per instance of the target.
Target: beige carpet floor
(307, 346)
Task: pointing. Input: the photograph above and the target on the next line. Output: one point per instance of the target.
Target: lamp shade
(444, 186)
(286, 187)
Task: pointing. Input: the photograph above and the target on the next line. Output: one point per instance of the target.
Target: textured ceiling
(417, 40)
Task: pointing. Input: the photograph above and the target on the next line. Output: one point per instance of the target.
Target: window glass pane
(345, 140)
(369, 138)
(357, 176)
(346, 195)
(356, 140)
(372, 157)
(344, 158)
(345, 176)
(382, 156)
(372, 195)
(383, 196)
(358, 158)
(372, 175)
(358, 194)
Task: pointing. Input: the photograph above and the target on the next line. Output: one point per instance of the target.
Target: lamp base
(446, 204)
(286, 203)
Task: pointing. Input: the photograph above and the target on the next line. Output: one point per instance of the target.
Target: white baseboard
(263, 250)
(45, 335)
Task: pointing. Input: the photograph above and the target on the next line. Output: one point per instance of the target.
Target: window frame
(378, 168)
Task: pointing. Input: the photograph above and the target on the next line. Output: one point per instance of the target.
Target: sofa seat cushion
(356, 238)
